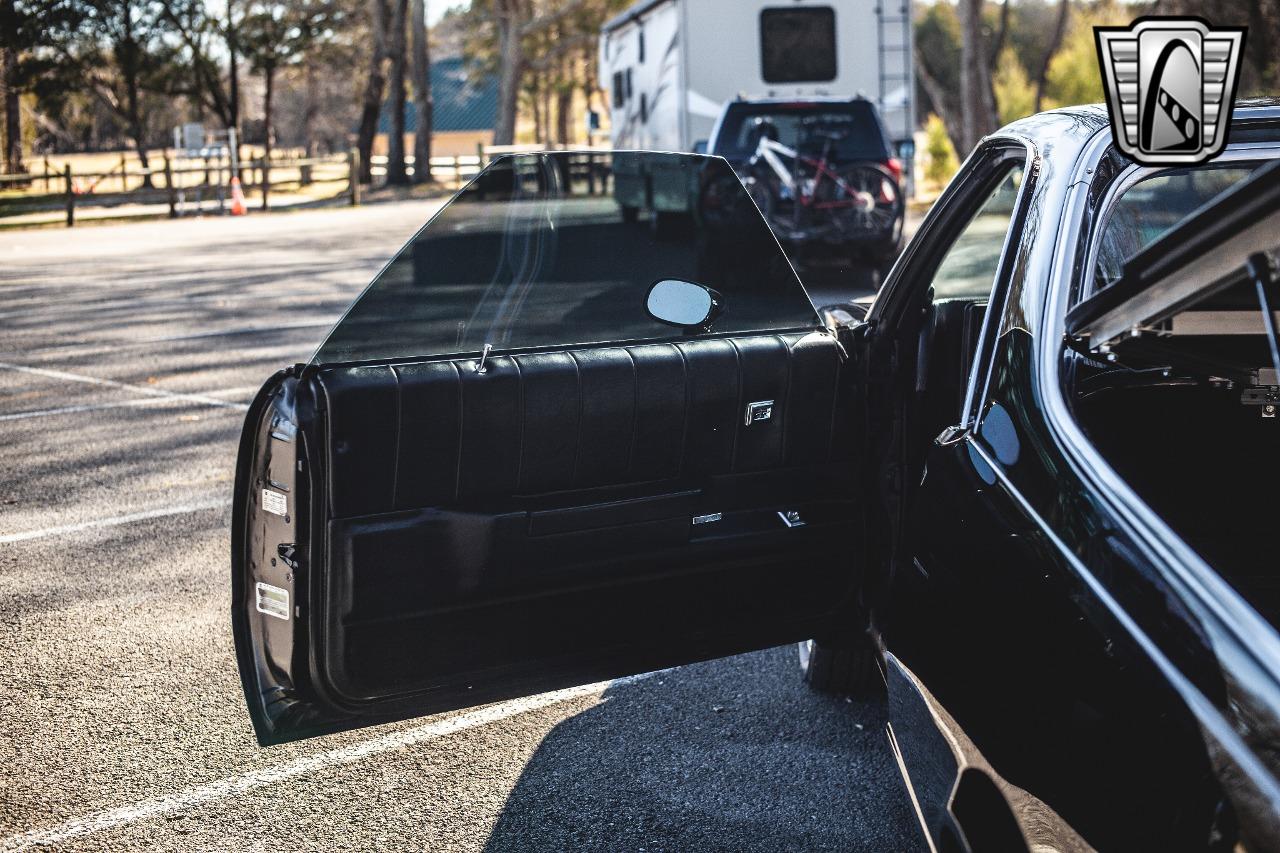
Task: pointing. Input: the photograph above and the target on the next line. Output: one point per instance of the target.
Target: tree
(535, 50)
(937, 41)
(124, 55)
(1059, 29)
(397, 173)
(374, 88)
(1017, 42)
(270, 37)
(941, 156)
(331, 35)
(1015, 96)
(200, 32)
(12, 113)
(508, 20)
(30, 32)
(423, 106)
(978, 114)
(1074, 76)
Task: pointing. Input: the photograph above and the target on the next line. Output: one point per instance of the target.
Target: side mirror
(682, 303)
(700, 147)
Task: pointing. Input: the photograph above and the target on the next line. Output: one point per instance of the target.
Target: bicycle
(817, 199)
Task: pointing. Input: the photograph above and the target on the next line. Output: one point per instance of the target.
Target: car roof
(798, 99)
(1048, 126)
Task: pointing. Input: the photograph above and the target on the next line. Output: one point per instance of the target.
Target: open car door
(545, 447)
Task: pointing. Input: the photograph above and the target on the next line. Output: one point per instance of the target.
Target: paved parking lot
(127, 357)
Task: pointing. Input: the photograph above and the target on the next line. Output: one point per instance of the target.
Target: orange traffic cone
(237, 199)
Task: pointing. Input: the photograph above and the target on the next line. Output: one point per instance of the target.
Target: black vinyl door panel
(561, 517)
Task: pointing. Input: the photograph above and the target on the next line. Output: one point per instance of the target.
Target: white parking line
(111, 383)
(76, 305)
(68, 350)
(97, 407)
(231, 786)
(114, 521)
(71, 410)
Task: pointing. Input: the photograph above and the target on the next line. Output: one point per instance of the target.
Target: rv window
(644, 108)
(619, 89)
(798, 45)
(628, 84)
(641, 51)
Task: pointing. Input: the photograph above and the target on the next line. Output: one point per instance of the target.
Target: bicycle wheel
(862, 199)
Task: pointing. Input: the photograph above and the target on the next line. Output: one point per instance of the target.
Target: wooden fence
(182, 186)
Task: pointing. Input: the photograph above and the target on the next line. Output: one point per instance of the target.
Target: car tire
(847, 670)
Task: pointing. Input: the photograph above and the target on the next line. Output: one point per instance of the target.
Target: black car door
(505, 471)
(1025, 697)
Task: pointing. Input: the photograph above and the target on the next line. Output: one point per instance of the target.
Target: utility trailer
(670, 66)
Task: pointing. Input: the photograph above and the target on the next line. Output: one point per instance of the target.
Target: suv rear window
(536, 252)
(853, 130)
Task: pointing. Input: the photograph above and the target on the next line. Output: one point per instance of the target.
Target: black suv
(822, 172)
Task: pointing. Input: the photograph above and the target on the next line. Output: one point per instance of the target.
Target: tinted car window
(853, 130)
(535, 252)
(798, 45)
(1155, 204)
(969, 268)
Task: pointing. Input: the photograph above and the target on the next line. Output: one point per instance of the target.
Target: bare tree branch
(1059, 30)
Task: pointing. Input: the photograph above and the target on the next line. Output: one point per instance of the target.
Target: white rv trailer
(671, 65)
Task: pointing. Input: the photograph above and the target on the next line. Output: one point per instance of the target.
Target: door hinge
(951, 435)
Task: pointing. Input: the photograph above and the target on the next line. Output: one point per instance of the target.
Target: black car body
(1027, 524)
(845, 136)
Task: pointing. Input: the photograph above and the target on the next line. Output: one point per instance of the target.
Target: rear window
(1154, 205)
(798, 45)
(536, 252)
(846, 132)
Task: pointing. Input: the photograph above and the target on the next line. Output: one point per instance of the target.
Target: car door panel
(557, 518)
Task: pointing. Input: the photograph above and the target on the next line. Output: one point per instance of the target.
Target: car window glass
(538, 251)
(1155, 204)
(968, 270)
(843, 132)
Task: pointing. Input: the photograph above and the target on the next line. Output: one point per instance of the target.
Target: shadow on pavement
(728, 754)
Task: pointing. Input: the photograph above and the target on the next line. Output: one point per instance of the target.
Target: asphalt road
(127, 355)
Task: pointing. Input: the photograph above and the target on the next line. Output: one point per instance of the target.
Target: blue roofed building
(465, 111)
